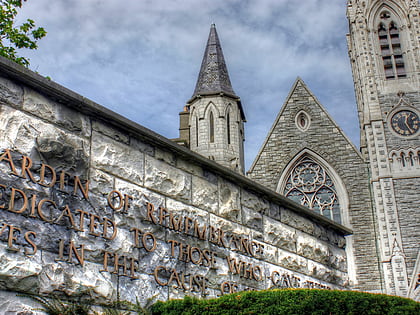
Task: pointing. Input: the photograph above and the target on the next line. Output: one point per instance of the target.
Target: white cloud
(141, 57)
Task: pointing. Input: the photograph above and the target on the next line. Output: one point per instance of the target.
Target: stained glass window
(310, 185)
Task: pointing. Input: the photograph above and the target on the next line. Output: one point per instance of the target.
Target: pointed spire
(213, 77)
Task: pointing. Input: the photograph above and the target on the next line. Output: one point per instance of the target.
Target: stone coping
(73, 100)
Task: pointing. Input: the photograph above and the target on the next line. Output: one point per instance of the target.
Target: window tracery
(310, 185)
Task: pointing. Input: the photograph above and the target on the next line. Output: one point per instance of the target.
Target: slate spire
(213, 77)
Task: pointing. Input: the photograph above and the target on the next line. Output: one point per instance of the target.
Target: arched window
(211, 126)
(390, 44)
(309, 184)
(196, 131)
(228, 127)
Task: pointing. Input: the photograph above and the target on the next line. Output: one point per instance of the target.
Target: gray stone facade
(325, 139)
(90, 201)
(385, 57)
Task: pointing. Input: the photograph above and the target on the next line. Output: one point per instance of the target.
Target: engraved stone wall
(89, 201)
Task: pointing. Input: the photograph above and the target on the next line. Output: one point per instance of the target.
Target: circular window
(302, 121)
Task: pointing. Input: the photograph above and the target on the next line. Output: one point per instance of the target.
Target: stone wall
(92, 202)
(325, 139)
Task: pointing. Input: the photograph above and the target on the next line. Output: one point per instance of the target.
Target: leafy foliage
(16, 37)
(300, 301)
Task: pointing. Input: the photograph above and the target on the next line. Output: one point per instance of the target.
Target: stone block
(253, 202)
(117, 159)
(55, 113)
(166, 179)
(111, 132)
(252, 219)
(204, 194)
(189, 167)
(229, 200)
(310, 247)
(10, 93)
(163, 155)
(292, 261)
(279, 234)
(19, 272)
(293, 219)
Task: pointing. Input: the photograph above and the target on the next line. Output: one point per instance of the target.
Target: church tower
(212, 123)
(384, 52)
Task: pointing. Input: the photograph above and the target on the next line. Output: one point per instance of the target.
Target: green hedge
(291, 301)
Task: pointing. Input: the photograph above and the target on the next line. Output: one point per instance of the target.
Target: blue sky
(141, 58)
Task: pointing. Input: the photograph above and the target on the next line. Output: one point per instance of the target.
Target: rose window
(311, 186)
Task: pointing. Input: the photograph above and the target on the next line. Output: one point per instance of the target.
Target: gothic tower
(212, 123)
(384, 50)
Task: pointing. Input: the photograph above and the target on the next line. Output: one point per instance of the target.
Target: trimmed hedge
(291, 301)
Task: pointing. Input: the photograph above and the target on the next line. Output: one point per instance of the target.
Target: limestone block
(43, 142)
(58, 114)
(100, 185)
(136, 214)
(184, 210)
(17, 130)
(73, 279)
(281, 278)
(11, 304)
(329, 275)
(10, 93)
(252, 219)
(142, 146)
(145, 290)
(312, 248)
(116, 158)
(189, 167)
(338, 259)
(165, 156)
(167, 179)
(270, 253)
(229, 226)
(229, 201)
(254, 203)
(275, 211)
(111, 132)
(19, 272)
(280, 235)
(292, 261)
(63, 151)
(204, 194)
(293, 219)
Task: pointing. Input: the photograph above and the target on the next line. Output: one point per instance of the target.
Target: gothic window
(211, 127)
(196, 131)
(390, 44)
(228, 127)
(310, 185)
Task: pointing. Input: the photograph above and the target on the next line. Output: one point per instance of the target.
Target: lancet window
(310, 185)
(228, 127)
(211, 123)
(390, 44)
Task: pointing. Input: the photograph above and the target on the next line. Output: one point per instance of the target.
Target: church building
(373, 190)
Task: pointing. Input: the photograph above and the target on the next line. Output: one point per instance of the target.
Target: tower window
(228, 127)
(211, 123)
(196, 131)
(390, 44)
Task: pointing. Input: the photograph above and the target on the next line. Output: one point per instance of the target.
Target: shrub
(291, 301)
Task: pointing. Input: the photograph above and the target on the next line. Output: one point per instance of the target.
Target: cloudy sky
(140, 58)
